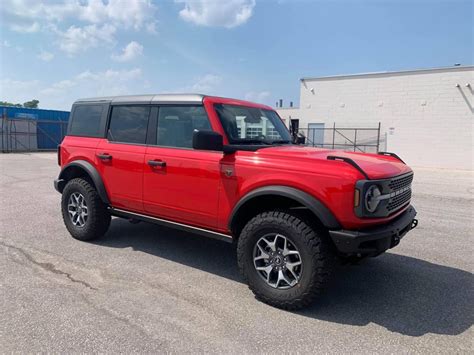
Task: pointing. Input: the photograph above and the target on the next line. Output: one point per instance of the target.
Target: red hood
(374, 165)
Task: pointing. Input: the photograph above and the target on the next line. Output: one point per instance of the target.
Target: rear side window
(176, 125)
(128, 124)
(86, 121)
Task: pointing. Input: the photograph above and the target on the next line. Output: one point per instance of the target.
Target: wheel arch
(257, 201)
(82, 168)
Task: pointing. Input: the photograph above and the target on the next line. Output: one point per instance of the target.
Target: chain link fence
(366, 140)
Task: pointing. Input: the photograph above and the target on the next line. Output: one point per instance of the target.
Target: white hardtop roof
(158, 98)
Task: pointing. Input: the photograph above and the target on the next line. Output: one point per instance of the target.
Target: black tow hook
(414, 223)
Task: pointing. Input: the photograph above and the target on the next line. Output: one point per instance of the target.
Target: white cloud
(151, 28)
(59, 88)
(79, 39)
(61, 94)
(126, 13)
(94, 20)
(257, 96)
(205, 83)
(45, 56)
(25, 28)
(6, 44)
(18, 90)
(109, 82)
(213, 13)
(110, 75)
(130, 52)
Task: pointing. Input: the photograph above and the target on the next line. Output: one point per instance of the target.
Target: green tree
(31, 104)
(28, 104)
(6, 103)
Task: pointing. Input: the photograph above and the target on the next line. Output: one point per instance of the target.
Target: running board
(176, 225)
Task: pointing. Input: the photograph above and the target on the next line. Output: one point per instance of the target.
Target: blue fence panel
(50, 124)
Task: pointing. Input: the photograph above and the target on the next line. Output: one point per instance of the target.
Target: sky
(62, 50)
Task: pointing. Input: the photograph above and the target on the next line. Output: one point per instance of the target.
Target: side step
(176, 225)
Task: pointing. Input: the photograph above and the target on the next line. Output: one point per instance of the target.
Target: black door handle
(154, 163)
(104, 156)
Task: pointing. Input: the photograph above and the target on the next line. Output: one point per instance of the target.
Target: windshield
(250, 125)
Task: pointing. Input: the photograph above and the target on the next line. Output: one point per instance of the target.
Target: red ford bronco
(228, 169)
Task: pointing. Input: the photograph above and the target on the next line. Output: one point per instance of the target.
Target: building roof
(161, 98)
(391, 73)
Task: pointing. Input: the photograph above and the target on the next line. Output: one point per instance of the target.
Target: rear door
(180, 183)
(121, 154)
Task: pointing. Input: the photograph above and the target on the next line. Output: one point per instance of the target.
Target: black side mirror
(299, 139)
(208, 140)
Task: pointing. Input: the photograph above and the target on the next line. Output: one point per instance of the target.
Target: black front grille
(400, 192)
(400, 182)
(398, 201)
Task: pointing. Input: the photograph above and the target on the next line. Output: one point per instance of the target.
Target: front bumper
(373, 241)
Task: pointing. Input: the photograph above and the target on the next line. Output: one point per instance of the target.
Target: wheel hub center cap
(278, 260)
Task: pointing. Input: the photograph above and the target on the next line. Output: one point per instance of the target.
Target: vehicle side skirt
(167, 223)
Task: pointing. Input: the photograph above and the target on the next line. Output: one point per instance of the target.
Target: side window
(176, 125)
(86, 121)
(128, 124)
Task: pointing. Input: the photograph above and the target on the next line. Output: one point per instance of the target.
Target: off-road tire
(98, 220)
(316, 254)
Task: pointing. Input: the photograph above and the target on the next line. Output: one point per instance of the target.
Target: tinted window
(176, 125)
(86, 121)
(128, 124)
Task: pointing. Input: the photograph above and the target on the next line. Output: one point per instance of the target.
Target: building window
(253, 132)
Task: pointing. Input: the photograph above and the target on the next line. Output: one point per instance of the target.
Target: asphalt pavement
(145, 288)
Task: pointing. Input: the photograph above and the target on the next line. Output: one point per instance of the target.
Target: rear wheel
(285, 262)
(85, 215)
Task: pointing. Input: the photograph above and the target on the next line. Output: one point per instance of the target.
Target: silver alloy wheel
(77, 209)
(277, 261)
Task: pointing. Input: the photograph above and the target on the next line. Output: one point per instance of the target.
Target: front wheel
(85, 215)
(285, 262)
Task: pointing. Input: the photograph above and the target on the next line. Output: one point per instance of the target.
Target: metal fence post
(3, 130)
(355, 139)
(378, 139)
(333, 134)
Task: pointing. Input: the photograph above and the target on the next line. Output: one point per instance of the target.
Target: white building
(426, 116)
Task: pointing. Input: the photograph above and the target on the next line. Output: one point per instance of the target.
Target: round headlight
(372, 198)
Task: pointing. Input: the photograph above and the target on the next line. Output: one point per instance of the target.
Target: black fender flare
(313, 204)
(91, 171)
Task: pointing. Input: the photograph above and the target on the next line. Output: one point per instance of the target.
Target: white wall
(428, 121)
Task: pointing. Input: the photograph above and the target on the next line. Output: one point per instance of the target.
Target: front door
(120, 156)
(180, 183)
